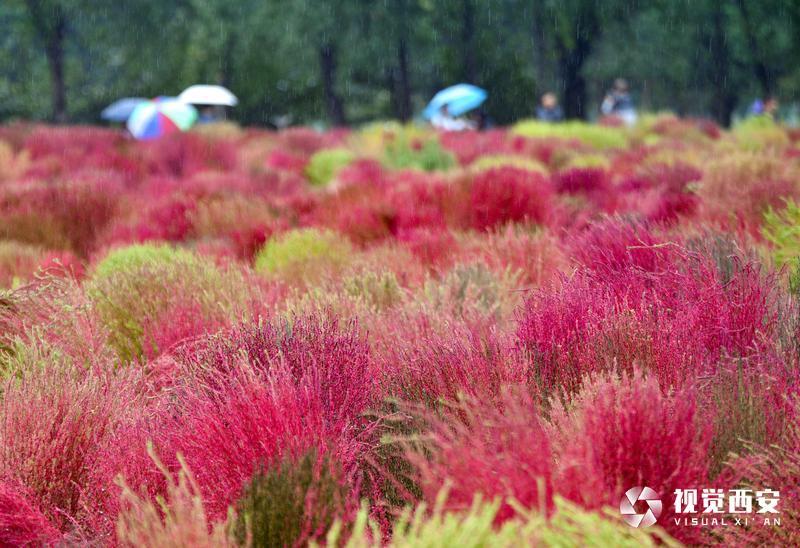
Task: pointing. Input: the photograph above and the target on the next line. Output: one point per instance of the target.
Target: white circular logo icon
(634, 495)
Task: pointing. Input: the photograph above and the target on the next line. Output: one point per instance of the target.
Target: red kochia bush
(54, 424)
(470, 360)
(496, 451)
(615, 244)
(259, 393)
(21, 522)
(279, 159)
(507, 194)
(62, 214)
(417, 201)
(183, 154)
(582, 179)
(625, 433)
(671, 311)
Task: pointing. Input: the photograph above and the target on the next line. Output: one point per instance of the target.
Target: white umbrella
(203, 94)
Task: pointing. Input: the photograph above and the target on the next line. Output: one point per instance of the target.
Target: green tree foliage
(349, 61)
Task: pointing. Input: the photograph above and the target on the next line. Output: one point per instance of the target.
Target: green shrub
(296, 499)
(602, 137)
(138, 256)
(502, 160)
(134, 289)
(377, 290)
(782, 229)
(587, 161)
(760, 132)
(473, 287)
(569, 526)
(303, 255)
(325, 164)
(403, 152)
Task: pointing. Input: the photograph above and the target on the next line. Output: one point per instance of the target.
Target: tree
(49, 20)
(572, 30)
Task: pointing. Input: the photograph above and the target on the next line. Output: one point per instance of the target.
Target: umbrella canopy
(162, 115)
(459, 99)
(120, 111)
(208, 95)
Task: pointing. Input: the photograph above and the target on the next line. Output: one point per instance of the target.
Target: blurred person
(479, 120)
(549, 110)
(618, 102)
(444, 121)
(771, 107)
(756, 107)
(766, 107)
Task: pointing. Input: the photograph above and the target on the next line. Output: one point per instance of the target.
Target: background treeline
(348, 61)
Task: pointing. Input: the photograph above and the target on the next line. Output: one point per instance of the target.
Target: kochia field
(391, 336)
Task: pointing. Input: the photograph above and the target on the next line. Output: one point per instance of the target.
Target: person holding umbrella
(444, 122)
(210, 101)
(449, 103)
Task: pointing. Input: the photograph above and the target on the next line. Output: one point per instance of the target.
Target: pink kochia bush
(619, 434)
(507, 194)
(655, 305)
(248, 398)
(496, 451)
(54, 428)
(21, 522)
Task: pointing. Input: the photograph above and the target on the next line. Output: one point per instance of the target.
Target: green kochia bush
(570, 526)
(427, 155)
(490, 161)
(601, 137)
(303, 255)
(782, 230)
(760, 132)
(290, 503)
(326, 164)
(151, 295)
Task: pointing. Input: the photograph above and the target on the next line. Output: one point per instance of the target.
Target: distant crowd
(617, 102)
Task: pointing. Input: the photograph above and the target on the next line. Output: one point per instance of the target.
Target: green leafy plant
(290, 503)
(490, 161)
(326, 164)
(782, 229)
(475, 527)
(760, 132)
(143, 293)
(410, 153)
(601, 137)
(303, 255)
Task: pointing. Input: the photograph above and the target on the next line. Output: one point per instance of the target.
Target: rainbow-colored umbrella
(162, 115)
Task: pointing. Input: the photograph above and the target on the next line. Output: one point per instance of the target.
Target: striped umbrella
(162, 115)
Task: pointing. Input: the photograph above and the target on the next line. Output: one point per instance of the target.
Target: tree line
(349, 61)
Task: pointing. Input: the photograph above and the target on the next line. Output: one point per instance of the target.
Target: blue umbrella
(119, 111)
(459, 99)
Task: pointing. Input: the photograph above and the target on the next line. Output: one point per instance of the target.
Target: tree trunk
(540, 57)
(327, 56)
(762, 72)
(55, 57)
(402, 83)
(571, 57)
(50, 24)
(570, 64)
(467, 42)
(724, 96)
